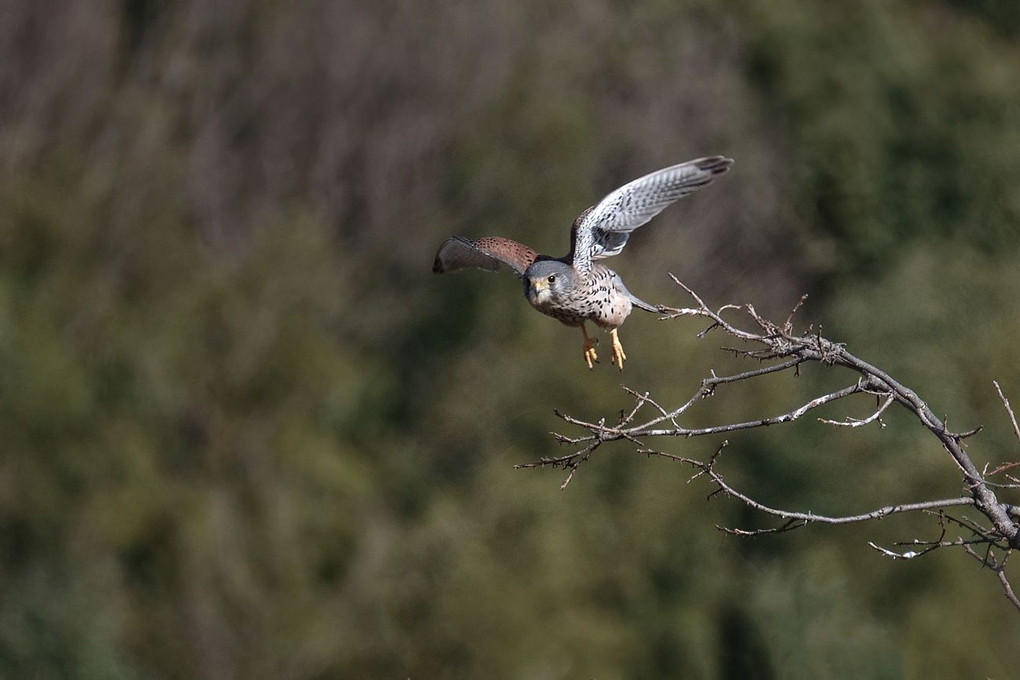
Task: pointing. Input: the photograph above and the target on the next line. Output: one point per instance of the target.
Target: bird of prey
(577, 287)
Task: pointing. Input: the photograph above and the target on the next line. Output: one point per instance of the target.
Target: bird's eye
(552, 278)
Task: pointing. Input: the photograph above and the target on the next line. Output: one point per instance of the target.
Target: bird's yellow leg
(590, 356)
(618, 356)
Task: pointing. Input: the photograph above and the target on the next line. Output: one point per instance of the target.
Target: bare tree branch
(1009, 409)
(803, 518)
(998, 567)
(782, 349)
(854, 422)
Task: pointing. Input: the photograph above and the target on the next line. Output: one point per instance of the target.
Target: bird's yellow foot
(590, 356)
(618, 356)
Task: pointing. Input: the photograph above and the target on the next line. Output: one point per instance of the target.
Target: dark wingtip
(715, 164)
(437, 265)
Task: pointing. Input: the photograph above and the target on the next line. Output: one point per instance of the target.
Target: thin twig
(708, 468)
(854, 422)
(999, 569)
(1009, 409)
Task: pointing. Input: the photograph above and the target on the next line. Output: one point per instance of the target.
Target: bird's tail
(641, 304)
(635, 300)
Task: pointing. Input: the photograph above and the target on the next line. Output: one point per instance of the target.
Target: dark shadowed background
(246, 433)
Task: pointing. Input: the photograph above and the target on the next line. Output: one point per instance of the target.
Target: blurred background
(246, 432)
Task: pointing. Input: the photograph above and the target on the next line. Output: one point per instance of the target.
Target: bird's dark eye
(552, 278)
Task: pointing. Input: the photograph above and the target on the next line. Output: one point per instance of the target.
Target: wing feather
(458, 252)
(602, 230)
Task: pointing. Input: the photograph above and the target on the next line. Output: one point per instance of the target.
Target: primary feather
(602, 230)
(458, 252)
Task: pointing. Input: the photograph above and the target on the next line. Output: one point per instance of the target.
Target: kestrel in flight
(576, 288)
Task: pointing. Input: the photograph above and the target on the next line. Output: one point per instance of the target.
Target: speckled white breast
(599, 299)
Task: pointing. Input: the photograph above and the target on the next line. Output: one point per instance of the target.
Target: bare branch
(1014, 482)
(998, 567)
(931, 545)
(708, 469)
(854, 422)
(784, 350)
(788, 525)
(788, 325)
(1009, 409)
(642, 399)
(1006, 586)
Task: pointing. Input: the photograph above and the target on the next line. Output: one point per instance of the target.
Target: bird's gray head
(547, 281)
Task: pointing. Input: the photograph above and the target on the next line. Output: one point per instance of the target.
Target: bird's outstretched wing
(487, 253)
(602, 230)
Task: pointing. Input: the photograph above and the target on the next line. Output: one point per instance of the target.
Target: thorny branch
(780, 349)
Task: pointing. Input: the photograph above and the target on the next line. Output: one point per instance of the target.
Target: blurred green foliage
(246, 433)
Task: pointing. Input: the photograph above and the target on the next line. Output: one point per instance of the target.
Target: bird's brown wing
(486, 253)
(602, 230)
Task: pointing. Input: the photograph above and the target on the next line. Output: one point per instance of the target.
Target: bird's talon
(618, 360)
(618, 355)
(591, 357)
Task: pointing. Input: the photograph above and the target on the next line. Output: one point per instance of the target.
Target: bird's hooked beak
(538, 289)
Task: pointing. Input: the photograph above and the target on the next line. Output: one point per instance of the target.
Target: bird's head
(546, 281)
